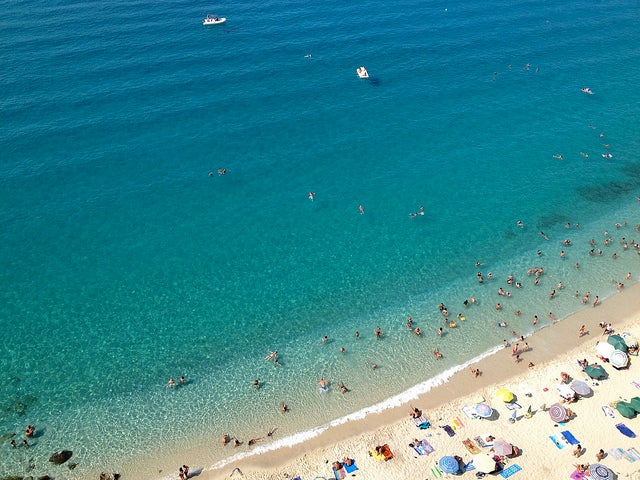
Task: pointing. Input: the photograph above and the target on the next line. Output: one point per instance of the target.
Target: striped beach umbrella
(557, 412)
(600, 472)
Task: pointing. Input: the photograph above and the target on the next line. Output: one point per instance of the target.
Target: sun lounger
(568, 436)
(510, 470)
(472, 447)
(635, 453)
(628, 456)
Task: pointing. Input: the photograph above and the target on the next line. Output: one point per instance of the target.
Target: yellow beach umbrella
(505, 395)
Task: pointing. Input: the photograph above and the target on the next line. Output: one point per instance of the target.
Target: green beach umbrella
(626, 409)
(618, 342)
(595, 371)
(635, 403)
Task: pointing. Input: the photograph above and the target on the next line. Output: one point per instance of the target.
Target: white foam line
(392, 402)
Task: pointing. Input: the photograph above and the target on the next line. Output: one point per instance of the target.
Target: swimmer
(171, 383)
(437, 353)
(417, 331)
(253, 441)
(308, 55)
(361, 210)
(520, 224)
(256, 384)
(225, 439)
(544, 235)
(558, 156)
(312, 195)
(272, 356)
(283, 407)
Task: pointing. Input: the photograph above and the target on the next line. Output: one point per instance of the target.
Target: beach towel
(626, 455)
(635, 384)
(421, 422)
(423, 447)
(296, 478)
(470, 412)
(436, 472)
(351, 468)
(512, 406)
(448, 429)
(615, 454)
(482, 440)
(626, 431)
(556, 441)
(635, 453)
(339, 473)
(510, 470)
(472, 447)
(568, 436)
(457, 423)
(376, 456)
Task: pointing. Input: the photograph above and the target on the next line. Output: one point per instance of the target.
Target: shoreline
(622, 309)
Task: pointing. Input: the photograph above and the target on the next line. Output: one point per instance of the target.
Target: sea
(156, 219)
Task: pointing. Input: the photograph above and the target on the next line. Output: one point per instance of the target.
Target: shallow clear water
(124, 263)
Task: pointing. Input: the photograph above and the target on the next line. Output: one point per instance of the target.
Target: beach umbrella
(502, 447)
(629, 339)
(484, 462)
(635, 403)
(618, 342)
(483, 410)
(604, 349)
(600, 472)
(619, 359)
(626, 409)
(505, 395)
(557, 413)
(580, 388)
(448, 464)
(595, 371)
(577, 475)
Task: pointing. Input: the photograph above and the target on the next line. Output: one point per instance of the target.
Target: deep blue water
(124, 263)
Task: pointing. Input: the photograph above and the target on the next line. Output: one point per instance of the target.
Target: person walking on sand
(596, 301)
(582, 331)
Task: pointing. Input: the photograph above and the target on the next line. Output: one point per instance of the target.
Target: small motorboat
(213, 20)
(362, 72)
(587, 90)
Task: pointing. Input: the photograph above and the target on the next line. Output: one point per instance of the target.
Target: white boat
(362, 72)
(213, 20)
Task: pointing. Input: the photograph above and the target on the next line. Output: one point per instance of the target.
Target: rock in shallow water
(59, 458)
(109, 476)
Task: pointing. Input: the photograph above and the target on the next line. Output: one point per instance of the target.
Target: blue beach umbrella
(448, 464)
(483, 410)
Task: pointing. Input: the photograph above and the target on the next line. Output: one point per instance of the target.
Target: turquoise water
(124, 263)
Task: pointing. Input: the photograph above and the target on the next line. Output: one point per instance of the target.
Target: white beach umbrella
(619, 359)
(604, 349)
(484, 462)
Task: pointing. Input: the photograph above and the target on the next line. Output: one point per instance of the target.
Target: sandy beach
(551, 350)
